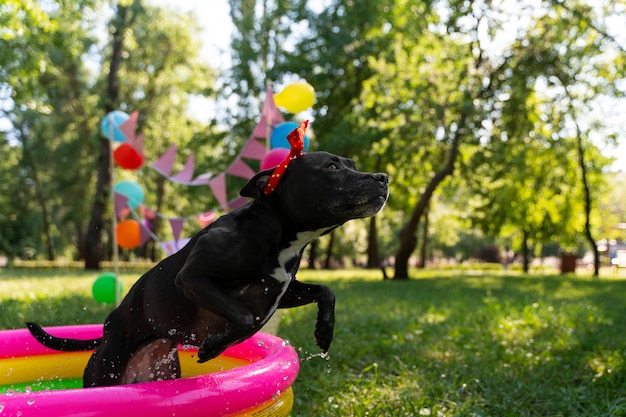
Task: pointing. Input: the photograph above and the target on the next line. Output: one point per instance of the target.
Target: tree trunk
(587, 192)
(156, 223)
(525, 252)
(408, 240)
(587, 196)
(373, 254)
(313, 254)
(424, 247)
(93, 237)
(329, 250)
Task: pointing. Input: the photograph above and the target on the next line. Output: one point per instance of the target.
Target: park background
(499, 123)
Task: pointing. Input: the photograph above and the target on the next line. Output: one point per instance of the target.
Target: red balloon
(127, 157)
(273, 158)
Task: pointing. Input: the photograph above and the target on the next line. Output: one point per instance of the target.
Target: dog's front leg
(299, 294)
(240, 320)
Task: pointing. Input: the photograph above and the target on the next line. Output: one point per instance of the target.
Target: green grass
(443, 344)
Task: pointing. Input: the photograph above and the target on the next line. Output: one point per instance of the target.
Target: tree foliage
(489, 116)
(55, 93)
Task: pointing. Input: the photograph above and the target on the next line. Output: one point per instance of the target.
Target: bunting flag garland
(253, 149)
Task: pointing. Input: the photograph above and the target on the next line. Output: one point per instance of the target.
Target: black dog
(232, 276)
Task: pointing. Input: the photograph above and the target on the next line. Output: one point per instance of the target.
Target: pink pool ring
(252, 378)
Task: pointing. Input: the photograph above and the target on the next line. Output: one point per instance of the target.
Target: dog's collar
(296, 140)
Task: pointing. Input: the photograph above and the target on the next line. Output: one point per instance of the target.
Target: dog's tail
(61, 343)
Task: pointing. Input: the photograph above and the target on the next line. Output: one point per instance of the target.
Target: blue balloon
(132, 191)
(278, 139)
(110, 125)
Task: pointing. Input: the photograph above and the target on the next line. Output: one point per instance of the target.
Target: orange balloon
(128, 234)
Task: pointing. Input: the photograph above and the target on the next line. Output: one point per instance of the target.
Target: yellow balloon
(296, 97)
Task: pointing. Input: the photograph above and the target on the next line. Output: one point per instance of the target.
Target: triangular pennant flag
(170, 247)
(218, 186)
(120, 202)
(146, 213)
(165, 163)
(261, 129)
(207, 218)
(177, 227)
(137, 143)
(144, 234)
(253, 149)
(129, 126)
(237, 202)
(185, 175)
(201, 179)
(270, 110)
(240, 169)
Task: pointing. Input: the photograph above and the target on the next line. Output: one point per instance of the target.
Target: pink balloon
(273, 158)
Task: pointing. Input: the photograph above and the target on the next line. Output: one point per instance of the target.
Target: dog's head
(320, 189)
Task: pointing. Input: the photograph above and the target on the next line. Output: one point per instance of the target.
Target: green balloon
(103, 288)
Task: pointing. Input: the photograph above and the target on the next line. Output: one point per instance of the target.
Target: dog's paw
(207, 352)
(324, 335)
(211, 348)
(202, 356)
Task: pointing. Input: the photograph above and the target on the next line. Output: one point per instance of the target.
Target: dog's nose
(379, 176)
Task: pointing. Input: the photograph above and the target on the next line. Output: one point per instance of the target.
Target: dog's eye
(332, 167)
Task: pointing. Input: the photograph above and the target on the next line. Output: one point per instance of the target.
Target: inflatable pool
(252, 379)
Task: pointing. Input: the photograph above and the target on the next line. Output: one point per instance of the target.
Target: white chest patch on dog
(292, 251)
(281, 274)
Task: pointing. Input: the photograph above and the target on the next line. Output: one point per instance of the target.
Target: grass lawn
(442, 344)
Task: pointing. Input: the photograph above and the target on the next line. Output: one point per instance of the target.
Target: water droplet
(257, 318)
(28, 389)
(261, 343)
(1, 407)
(30, 401)
(10, 393)
(171, 332)
(285, 343)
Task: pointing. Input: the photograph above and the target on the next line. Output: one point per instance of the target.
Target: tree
(122, 21)
(53, 98)
(533, 137)
(48, 109)
(330, 47)
(422, 97)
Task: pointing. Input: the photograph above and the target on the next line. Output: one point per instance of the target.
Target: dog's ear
(254, 188)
